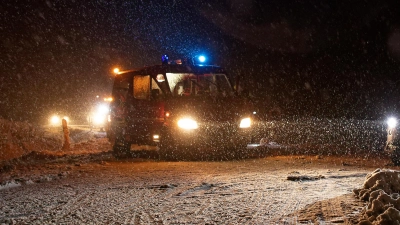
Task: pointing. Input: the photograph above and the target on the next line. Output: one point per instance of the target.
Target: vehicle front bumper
(212, 135)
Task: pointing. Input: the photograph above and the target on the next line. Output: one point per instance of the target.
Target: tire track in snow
(176, 193)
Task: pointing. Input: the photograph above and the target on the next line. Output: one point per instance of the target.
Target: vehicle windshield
(188, 84)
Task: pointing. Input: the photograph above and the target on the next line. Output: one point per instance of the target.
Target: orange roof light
(108, 99)
(116, 70)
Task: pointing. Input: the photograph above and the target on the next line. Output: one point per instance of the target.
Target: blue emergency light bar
(201, 58)
(197, 60)
(164, 59)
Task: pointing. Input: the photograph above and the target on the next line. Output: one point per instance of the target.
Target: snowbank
(381, 189)
(21, 138)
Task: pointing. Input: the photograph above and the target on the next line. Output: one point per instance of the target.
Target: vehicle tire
(121, 148)
(395, 157)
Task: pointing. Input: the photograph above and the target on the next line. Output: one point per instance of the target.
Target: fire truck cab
(184, 109)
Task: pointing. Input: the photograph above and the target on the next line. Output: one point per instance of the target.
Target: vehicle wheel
(395, 157)
(121, 148)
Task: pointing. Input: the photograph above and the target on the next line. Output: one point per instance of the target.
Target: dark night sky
(324, 57)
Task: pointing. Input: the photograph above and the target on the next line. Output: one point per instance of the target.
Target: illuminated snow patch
(10, 184)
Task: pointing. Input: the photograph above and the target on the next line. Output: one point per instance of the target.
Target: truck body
(183, 109)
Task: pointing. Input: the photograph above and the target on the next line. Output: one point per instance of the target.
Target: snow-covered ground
(86, 185)
(137, 191)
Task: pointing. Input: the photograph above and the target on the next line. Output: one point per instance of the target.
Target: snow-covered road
(138, 191)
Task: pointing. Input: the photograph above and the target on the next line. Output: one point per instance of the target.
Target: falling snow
(323, 77)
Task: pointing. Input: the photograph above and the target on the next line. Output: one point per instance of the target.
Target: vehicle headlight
(187, 124)
(102, 109)
(99, 118)
(55, 120)
(245, 123)
(391, 122)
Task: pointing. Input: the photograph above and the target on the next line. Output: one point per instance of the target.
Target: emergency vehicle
(186, 109)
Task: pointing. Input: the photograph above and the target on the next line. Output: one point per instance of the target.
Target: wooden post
(66, 144)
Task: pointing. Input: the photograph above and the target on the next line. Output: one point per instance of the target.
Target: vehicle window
(120, 89)
(223, 84)
(204, 84)
(141, 87)
(178, 82)
(121, 82)
(156, 91)
(215, 85)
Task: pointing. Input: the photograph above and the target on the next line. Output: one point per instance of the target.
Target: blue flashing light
(164, 59)
(202, 58)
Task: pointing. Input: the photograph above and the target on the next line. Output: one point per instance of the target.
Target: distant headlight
(103, 109)
(55, 120)
(245, 123)
(100, 116)
(391, 122)
(99, 119)
(187, 124)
